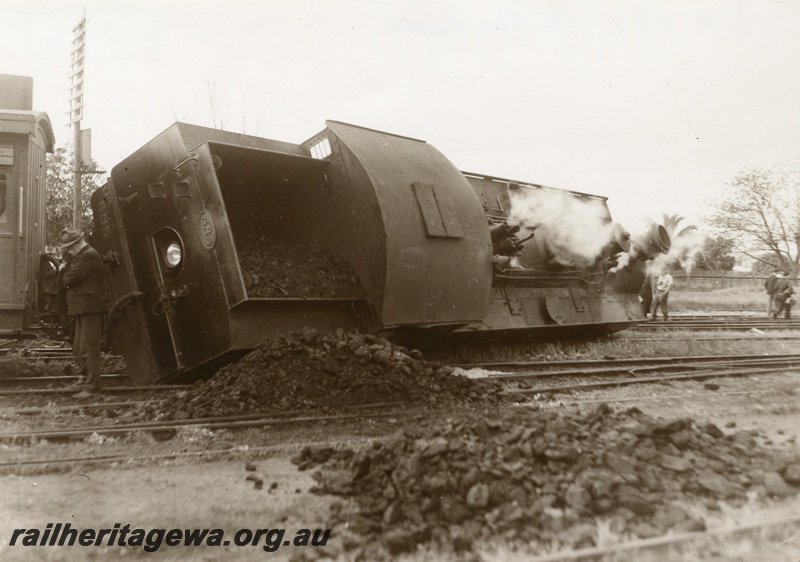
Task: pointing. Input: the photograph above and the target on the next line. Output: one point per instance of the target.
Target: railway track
(717, 323)
(51, 409)
(111, 378)
(654, 379)
(523, 381)
(519, 370)
(248, 451)
(626, 372)
(65, 390)
(49, 353)
(582, 366)
(763, 336)
(168, 428)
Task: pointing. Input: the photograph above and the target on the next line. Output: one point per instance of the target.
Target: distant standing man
(661, 296)
(769, 285)
(784, 291)
(646, 294)
(83, 279)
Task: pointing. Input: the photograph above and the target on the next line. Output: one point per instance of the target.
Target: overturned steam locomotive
(436, 254)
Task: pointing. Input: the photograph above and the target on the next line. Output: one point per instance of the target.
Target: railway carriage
(26, 137)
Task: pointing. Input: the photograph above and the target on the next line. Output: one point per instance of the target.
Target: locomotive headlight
(173, 254)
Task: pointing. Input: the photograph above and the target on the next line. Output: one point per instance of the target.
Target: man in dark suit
(646, 294)
(769, 285)
(784, 296)
(83, 279)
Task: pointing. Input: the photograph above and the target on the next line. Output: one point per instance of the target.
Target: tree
(670, 224)
(60, 195)
(686, 243)
(766, 264)
(716, 254)
(761, 214)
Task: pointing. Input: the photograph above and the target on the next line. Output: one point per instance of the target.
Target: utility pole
(76, 114)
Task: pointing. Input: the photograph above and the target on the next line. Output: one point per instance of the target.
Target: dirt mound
(22, 358)
(275, 268)
(329, 372)
(541, 477)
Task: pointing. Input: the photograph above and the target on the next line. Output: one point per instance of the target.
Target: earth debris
(540, 478)
(325, 372)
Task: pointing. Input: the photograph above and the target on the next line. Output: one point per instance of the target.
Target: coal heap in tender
(331, 371)
(275, 268)
(541, 478)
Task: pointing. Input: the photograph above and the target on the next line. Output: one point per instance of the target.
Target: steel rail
(34, 410)
(774, 323)
(791, 362)
(220, 422)
(716, 326)
(249, 451)
(664, 540)
(646, 380)
(121, 458)
(57, 378)
(686, 396)
(621, 362)
(711, 315)
(54, 352)
(106, 390)
(763, 337)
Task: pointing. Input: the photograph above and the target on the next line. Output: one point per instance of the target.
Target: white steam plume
(575, 229)
(623, 259)
(684, 250)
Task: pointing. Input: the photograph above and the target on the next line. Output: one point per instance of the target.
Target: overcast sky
(656, 105)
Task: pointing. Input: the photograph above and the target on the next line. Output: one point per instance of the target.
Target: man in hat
(661, 295)
(646, 294)
(784, 296)
(83, 279)
(769, 285)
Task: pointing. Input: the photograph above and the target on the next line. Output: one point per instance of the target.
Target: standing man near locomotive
(48, 281)
(769, 285)
(83, 279)
(784, 291)
(646, 294)
(663, 286)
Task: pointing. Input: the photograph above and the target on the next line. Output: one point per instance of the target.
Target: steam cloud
(575, 229)
(623, 259)
(684, 250)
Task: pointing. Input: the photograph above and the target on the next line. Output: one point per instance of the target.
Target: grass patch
(731, 298)
(621, 346)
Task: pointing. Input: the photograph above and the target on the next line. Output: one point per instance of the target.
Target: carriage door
(9, 190)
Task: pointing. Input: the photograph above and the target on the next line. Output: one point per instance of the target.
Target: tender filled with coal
(274, 268)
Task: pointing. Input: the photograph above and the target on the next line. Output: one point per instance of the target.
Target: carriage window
(6, 159)
(3, 190)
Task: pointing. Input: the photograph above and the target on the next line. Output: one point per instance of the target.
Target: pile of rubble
(541, 478)
(16, 366)
(275, 268)
(19, 358)
(326, 372)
